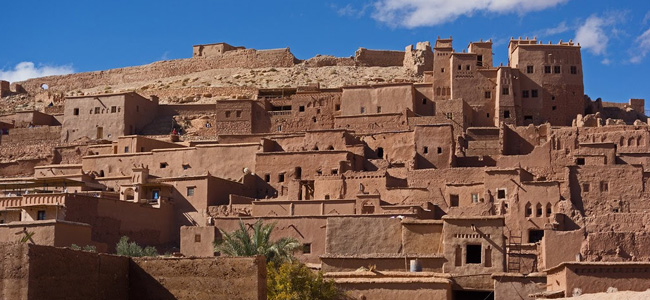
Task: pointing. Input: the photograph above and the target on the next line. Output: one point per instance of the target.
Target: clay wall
(235, 116)
(213, 49)
(378, 58)
(481, 97)
(349, 185)
(248, 58)
(387, 288)
(604, 189)
(397, 147)
(570, 241)
(434, 146)
(136, 143)
(372, 123)
(576, 278)
(511, 286)
(26, 119)
(394, 98)
(197, 241)
(235, 278)
(50, 134)
(48, 232)
(4, 88)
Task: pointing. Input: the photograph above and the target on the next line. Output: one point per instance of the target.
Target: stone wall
(249, 58)
(35, 134)
(231, 278)
(32, 272)
(379, 58)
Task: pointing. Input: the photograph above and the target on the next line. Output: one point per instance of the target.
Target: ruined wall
(375, 287)
(378, 58)
(575, 278)
(48, 134)
(227, 278)
(515, 286)
(248, 58)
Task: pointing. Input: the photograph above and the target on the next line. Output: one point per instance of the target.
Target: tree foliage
(294, 281)
(241, 242)
(132, 249)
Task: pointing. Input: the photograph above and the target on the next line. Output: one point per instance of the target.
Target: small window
(238, 114)
(460, 67)
(449, 116)
(467, 67)
(298, 172)
(549, 210)
(301, 108)
(580, 161)
(190, 191)
(75, 112)
(453, 200)
(474, 198)
(327, 197)
(424, 100)
(585, 187)
(574, 70)
(337, 107)
(363, 110)
(604, 186)
(530, 69)
(113, 109)
(197, 238)
(227, 114)
(557, 69)
(525, 94)
(40, 215)
(380, 152)
(505, 91)
(535, 235)
(442, 70)
(126, 149)
(425, 149)
(538, 210)
(506, 114)
(547, 69)
(267, 177)
(528, 118)
(528, 210)
(96, 110)
(439, 150)
(163, 165)
(378, 109)
(534, 93)
(335, 171)
(473, 254)
(488, 95)
(186, 166)
(306, 248)
(501, 194)
(553, 107)
(281, 177)
(141, 149)
(279, 127)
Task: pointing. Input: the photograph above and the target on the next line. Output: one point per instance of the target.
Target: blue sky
(51, 37)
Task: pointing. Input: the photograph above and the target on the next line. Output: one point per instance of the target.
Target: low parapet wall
(379, 58)
(34, 134)
(30, 272)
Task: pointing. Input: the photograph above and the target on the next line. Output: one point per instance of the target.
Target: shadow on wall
(143, 285)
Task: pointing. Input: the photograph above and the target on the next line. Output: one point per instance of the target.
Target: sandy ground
(622, 295)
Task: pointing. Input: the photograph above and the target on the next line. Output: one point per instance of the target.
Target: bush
(87, 248)
(132, 249)
(294, 281)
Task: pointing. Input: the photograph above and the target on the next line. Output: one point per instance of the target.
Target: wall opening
(535, 235)
(473, 254)
(453, 200)
(298, 172)
(380, 152)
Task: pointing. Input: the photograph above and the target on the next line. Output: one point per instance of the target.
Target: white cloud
(27, 69)
(591, 35)
(415, 13)
(350, 11)
(642, 47)
(560, 28)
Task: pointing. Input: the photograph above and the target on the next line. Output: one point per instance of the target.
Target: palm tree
(241, 243)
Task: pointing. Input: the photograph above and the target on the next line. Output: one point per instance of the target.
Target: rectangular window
(528, 117)
(190, 191)
(113, 109)
(580, 161)
(301, 108)
(267, 177)
(442, 70)
(488, 95)
(460, 67)
(525, 94)
(163, 165)
(585, 187)
(126, 149)
(574, 70)
(501, 194)
(557, 69)
(378, 109)
(506, 114)
(439, 150)
(306, 248)
(553, 107)
(473, 254)
(238, 113)
(281, 177)
(197, 238)
(604, 186)
(449, 116)
(96, 110)
(227, 114)
(40, 215)
(505, 91)
(530, 69)
(337, 107)
(534, 93)
(467, 67)
(363, 110)
(75, 112)
(279, 127)
(425, 149)
(547, 69)
(474, 198)
(453, 200)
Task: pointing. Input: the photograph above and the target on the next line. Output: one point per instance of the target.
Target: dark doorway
(535, 236)
(472, 295)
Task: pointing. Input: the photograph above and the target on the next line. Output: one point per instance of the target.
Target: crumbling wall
(378, 58)
(249, 58)
(230, 278)
(49, 134)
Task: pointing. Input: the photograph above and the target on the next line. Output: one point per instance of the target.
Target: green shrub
(132, 249)
(294, 281)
